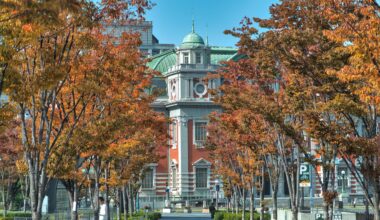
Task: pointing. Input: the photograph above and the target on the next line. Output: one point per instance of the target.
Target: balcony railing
(200, 67)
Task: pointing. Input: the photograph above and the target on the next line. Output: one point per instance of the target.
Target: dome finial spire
(206, 34)
(193, 29)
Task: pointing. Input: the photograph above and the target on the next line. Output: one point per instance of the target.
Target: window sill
(200, 147)
(202, 188)
(148, 189)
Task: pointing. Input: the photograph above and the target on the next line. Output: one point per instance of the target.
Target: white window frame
(202, 163)
(200, 94)
(207, 176)
(200, 57)
(186, 57)
(197, 144)
(153, 167)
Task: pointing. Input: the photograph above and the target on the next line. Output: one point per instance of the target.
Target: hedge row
(150, 216)
(233, 216)
(11, 215)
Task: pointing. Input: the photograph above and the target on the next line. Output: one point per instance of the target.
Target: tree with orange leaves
(286, 80)
(46, 55)
(10, 148)
(356, 25)
(324, 55)
(112, 121)
(239, 138)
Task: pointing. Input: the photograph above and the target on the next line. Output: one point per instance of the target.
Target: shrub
(233, 216)
(218, 216)
(150, 216)
(154, 216)
(12, 215)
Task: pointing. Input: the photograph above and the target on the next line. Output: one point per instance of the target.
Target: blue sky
(172, 18)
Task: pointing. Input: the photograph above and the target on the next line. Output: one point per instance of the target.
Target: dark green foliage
(141, 215)
(12, 215)
(233, 216)
(154, 216)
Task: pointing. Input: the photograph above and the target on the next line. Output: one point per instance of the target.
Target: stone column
(191, 88)
(183, 168)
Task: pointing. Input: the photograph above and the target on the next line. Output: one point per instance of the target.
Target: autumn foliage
(312, 79)
(79, 93)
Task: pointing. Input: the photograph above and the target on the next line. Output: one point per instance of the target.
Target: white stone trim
(153, 166)
(205, 89)
(201, 163)
(174, 126)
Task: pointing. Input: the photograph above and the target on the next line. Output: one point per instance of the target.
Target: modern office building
(150, 44)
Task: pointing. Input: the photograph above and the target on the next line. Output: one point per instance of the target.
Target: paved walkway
(185, 216)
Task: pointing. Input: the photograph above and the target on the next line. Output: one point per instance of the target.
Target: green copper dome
(192, 40)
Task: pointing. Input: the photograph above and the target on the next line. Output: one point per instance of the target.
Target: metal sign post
(304, 175)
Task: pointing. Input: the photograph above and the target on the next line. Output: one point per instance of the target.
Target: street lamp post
(217, 188)
(342, 195)
(343, 173)
(167, 190)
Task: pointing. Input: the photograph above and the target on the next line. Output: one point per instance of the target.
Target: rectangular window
(186, 58)
(201, 177)
(200, 133)
(147, 182)
(198, 58)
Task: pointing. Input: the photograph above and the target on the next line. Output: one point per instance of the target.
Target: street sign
(304, 175)
(337, 217)
(319, 216)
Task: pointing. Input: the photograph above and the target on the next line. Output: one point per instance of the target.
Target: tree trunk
(295, 213)
(236, 202)
(125, 201)
(274, 200)
(74, 202)
(3, 198)
(95, 196)
(36, 201)
(24, 208)
(106, 170)
(262, 182)
(118, 202)
(130, 200)
(376, 214)
(36, 215)
(302, 198)
(25, 192)
(251, 204)
(243, 205)
(262, 206)
(326, 210)
(233, 202)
